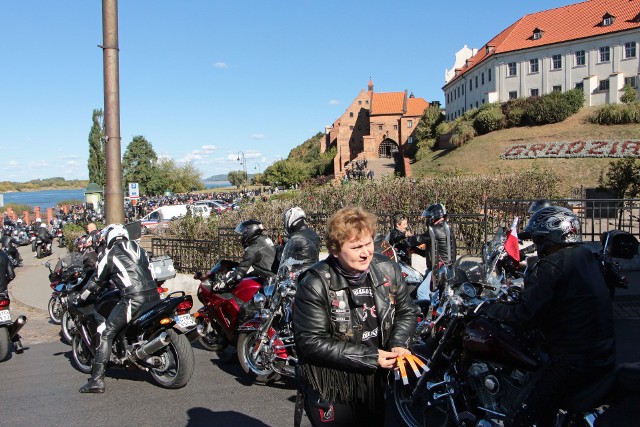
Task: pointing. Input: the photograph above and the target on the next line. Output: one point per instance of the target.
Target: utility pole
(114, 198)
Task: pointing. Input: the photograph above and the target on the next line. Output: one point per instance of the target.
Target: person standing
(352, 318)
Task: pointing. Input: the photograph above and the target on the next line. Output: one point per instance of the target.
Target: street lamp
(243, 161)
(257, 167)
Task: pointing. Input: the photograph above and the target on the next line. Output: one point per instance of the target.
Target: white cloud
(220, 65)
(334, 102)
(257, 136)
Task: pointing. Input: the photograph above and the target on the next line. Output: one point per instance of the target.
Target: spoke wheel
(82, 357)
(55, 310)
(425, 412)
(258, 366)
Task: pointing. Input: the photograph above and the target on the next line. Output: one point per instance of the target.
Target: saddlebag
(162, 267)
(621, 244)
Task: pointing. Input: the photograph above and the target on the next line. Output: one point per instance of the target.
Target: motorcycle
(57, 232)
(67, 273)
(9, 329)
(476, 367)
(412, 277)
(41, 248)
(266, 348)
(222, 308)
(156, 341)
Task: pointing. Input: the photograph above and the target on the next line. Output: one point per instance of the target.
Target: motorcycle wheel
(68, 327)
(60, 242)
(259, 366)
(209, 339)
(55, 310)
(177, 362)
(424, 413)
(39, 253)
(82, 357)
(4, 344)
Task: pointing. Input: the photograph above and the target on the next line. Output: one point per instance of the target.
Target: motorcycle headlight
(259, 300)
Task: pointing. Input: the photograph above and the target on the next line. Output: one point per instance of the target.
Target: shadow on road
(204, 417)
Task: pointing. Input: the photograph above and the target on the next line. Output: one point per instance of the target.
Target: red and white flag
(511, 245)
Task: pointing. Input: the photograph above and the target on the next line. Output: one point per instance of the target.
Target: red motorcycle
(223, 309)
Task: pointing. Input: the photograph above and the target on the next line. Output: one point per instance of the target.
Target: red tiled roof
(416, 107)
(387, 103)
(572, 22)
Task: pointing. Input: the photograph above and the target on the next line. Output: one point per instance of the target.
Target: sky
(207, 81)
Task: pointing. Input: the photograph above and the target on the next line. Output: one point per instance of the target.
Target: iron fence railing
(470, 230)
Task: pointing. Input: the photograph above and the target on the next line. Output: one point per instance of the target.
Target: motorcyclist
(441, 245)
(565, 296)
(303, 244)
(6, 273)
(9, 244)
(402, 239)
(126, 265)
(44, 235)
(259, 253)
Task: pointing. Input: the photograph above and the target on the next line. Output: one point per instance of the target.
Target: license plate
(185, 320)
(5, 316)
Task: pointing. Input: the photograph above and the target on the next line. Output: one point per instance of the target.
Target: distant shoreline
(29, 190)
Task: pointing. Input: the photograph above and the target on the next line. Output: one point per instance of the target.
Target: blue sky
(204, 79)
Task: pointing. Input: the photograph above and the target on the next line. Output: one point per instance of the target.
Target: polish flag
(511, 245)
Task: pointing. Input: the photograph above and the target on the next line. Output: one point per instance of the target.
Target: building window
(513, 94)
(607, 20)
(556, 62)
(535, 92)
(462, 89)
(630, 50)
(604, 85)
(533, 65)
(476, 104)
(379, 127)
(631, 81)
(366, 102)
(489, 74)
(395, 127)
(410, 140)
(409, 123)
(580, 57)
(483, 101)
(351, 114)
(605, 54)
(580, 85)
(537, 35)
(482, 79)
(557, 88)
(359, 102)
(476, 82)
(511, 69)
(470, 85)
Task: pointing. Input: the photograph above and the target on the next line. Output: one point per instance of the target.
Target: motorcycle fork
(263, 336)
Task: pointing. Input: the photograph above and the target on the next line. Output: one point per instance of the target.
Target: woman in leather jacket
(353, 317)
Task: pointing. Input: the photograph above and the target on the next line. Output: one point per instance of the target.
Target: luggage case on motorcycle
(162, 267)
(621, 244)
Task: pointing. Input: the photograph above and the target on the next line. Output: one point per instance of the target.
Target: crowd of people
(357, 169)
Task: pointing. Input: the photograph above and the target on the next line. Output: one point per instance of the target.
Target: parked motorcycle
(222, 307)
(157, 340)
(266, 348)
(476, 367)
(9, 329)
(67, 273)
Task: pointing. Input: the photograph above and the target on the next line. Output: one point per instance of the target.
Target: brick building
(374, 125)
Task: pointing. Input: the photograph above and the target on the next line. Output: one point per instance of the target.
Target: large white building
(591, 45)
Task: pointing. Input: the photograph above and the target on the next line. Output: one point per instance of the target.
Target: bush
(553, 107)
(630, 94)
(616, 114)
(462, 132)
(489, 119)
(443, 129)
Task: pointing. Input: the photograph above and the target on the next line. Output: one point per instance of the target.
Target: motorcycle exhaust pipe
(195, 333)
(152, 346)
(16, 326)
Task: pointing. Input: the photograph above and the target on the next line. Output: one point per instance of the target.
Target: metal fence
(470, 230)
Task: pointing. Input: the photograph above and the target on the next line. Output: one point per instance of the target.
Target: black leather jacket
(6, 272)
(44, 234)
(260, 254)
(303, 245)
(330, 339)
(404, 245)
(565, 295)
(440, 234)
(126, 265)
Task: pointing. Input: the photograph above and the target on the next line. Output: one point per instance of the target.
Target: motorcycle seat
(594, 395)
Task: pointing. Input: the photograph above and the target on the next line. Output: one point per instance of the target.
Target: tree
(287, 173)
(139, 164)
(623, 178)
(630, 94)
(237, 178)
(97, 141)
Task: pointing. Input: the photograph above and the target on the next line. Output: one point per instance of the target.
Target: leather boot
(96, 382)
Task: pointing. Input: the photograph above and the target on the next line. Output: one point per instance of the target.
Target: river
(51, 198)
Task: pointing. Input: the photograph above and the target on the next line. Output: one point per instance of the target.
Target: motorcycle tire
(60, 242)
(81, 353)
(422, 414)
(68, 327)
(39, 252)
(4, 344)
(209, 340)
(55, 310)
(258, 367)
(177, 364)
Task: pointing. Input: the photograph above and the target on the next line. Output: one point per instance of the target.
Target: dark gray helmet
(434, 213)
(249, 230)
(554, 225)
(537, 205)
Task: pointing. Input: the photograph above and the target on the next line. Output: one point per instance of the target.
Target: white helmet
(19, 221)
(293, 217)
(43, 225)
(114, 232)
(38, 219)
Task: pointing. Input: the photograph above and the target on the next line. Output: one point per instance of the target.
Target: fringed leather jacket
(328, 332)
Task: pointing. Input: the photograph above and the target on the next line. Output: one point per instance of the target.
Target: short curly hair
(348, 223)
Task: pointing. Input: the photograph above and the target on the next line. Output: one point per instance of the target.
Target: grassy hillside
(482, 154)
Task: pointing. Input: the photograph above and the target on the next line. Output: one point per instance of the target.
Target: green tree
(139, 164)
(287, 173)
(630, 94)
(97, 141)
(623, 178)
(237, 178)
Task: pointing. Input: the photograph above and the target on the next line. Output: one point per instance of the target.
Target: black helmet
(292, 218)
(249, 230)
(537, 205)
(434, 213)
(553, 225)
